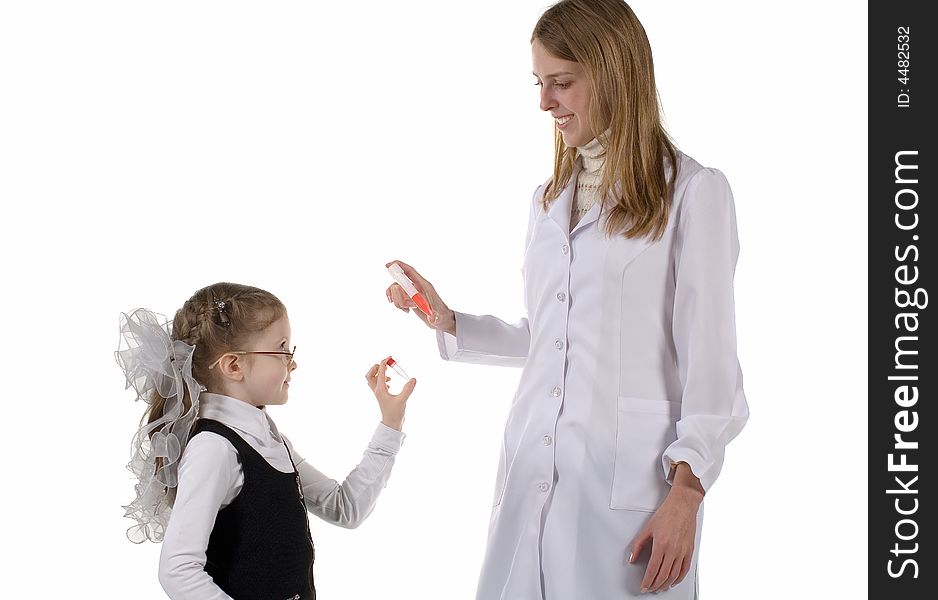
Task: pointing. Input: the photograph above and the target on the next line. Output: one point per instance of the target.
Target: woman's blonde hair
(213, 331)
(606, 38)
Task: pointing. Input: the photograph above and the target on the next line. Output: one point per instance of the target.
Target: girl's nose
(293, 365)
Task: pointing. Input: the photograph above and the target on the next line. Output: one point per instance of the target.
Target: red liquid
(422, 303)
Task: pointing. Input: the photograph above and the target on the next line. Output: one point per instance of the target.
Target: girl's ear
(231, 367)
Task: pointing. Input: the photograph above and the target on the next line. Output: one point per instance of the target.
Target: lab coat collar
(561, 208)
(591, 215)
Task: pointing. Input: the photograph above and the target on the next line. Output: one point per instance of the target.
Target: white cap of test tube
(398, 274)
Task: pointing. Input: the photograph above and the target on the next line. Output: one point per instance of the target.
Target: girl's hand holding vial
(392, 405)
(421, 296)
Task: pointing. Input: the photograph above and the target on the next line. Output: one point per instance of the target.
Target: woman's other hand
(672, 531)
(392, 405)
(441, 317)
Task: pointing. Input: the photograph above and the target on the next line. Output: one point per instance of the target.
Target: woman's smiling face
(565, 93)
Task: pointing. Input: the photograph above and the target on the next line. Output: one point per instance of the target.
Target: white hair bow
(153, 362)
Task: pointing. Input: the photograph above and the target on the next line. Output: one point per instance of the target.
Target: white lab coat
(629, 357)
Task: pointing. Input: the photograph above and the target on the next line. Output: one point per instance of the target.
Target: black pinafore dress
(260, 547)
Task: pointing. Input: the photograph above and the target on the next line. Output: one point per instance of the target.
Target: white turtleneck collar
(592, 155)
(248, 420)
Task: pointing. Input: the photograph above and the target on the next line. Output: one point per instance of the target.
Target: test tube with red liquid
(397, 368)
(409, 288)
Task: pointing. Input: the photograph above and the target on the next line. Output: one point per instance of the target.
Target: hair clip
(222, 313)
(221, 306)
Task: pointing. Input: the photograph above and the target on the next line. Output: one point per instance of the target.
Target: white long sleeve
(486, 340)
(207, 474)
(349, 503)
(210, 478)
(713, 405)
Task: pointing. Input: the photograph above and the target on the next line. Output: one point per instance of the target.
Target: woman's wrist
(685, 483)
(451, 325)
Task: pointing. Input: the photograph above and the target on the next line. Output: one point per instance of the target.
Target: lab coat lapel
(624, 249)
(591, 215)
(560, 208)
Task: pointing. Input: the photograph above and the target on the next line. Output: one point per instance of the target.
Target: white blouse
(210, 478)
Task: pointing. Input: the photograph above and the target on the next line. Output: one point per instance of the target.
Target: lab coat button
(555, 392)
(565, 249)
(558, 344)
(548, 440)
(561, 296)
(543, 486)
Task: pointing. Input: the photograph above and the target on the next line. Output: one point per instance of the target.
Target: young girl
(631, 387)
(220, 486)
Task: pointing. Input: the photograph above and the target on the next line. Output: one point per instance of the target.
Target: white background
(150, 148)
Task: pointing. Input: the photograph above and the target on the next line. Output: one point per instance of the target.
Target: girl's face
(565, 94)
(267, 376)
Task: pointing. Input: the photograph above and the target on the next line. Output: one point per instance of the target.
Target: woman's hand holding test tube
(392, 405)
(441, 317)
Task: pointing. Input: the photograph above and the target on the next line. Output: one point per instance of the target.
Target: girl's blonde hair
(247, 310)
(606, 38)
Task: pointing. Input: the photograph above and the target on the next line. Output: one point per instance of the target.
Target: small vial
(409, 288)
(397, 368)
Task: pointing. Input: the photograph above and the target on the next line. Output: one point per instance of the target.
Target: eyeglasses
(289, 355)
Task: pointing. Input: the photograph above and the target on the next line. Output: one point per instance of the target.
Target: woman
(631, 388)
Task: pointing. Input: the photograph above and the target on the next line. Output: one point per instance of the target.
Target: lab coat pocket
(644, 428)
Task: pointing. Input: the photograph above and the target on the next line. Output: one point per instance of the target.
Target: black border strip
(903, 370)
